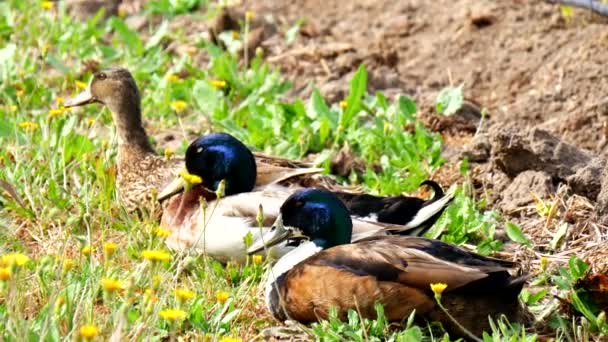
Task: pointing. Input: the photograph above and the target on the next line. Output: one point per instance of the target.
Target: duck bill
(277, 234)
(175, 187)
(85, 97)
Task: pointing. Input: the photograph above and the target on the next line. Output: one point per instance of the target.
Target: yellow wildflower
(109, 248)
(16, 259)
(89, 331)
(59, 301)
(173, 77)
(179, 105)
(249, 15)
(47, 5)
(91, 122)
(20, 92)
(218, 84)
(190, 178)
(13, 108)
(191, 50)
(230, 339)
(155, 255)
(53, 113)
(222, 296)
(156, 280)
(343, 104)
(87, 250)
(184, 294)
(172, 314)
(5, 273)
(168, 153)
(59, 101)
(68, 264)
(81, 85)
(161, 232)
(257, 259)
(438, 289)
(235, 34)
(149, 295)
(28, 125)
(111, 285)
(122, 12)
(543, 263)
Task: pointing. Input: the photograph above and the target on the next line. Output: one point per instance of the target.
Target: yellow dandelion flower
(343, 104)
(249, 15)
(109, 248)
(59, 100)
(438, 288)
(87, 250)
(45, 48)
(222, 296)
(172, 314)
(122, 12)
(111, 285)
(235, 34)
(179, 105)
(47, 5)
(28, 125)
(257, 259)
(155, 255)
(68, 264)
(81, 85)
(543, 263)
(190, 178)
(218, 84)
(5, 273)
(161, 232)
(184, 294)
(59, 301)
(53, 113)
(149, 295)
(14, 259)
(169, 153)
(89, 331)
(173, 77)
(230, 339)
(20, 92)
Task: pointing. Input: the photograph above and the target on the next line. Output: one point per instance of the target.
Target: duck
(219, 227)
(328, 270)
(141, 172)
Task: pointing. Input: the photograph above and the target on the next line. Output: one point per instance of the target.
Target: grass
(93, 270)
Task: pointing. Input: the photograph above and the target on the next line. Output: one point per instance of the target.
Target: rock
(587, 181)
(515, 150)
(519, 192)
(478, 150)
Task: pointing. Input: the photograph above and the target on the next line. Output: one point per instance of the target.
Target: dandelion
(68, 264)
(53, 113)
(168, 153)
(173, 77)
(150, 296)
(179, 105)
(218, 84)
(91, 122)
(257, 259)
(59, 100)
(155, 255)
(109, 248)
(14, 259)
(161, 232)
(59, 302)
(222, 296)
(343, 104)
(438, 289)
(89, 331)
(87, 250)
(81, 85)
(249, 15)
(121, 12)
(172, 314)
(5, 273)
(112, 285)
(184, 294)
(28, 125)
(47, 5)
(190, 178)
(230, 339)
(235, 34)
(543, 263)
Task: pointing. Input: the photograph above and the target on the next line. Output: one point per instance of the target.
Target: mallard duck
(395, 271)
(141, 173)
(220, 229)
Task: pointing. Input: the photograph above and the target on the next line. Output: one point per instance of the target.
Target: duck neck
(126, 113)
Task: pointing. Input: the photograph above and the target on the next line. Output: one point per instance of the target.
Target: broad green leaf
(449, 100)
(358, 86)
(514, 233)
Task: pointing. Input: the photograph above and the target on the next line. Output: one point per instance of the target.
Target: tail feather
(430, 212)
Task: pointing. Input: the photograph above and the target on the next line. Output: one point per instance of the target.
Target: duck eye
(101, 76)
(199, 150)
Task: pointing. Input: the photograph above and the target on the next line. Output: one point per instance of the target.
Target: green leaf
(578, 267)
(449, 100)
(515, 234)
(292, 33)
(407, 106)
(129, 38)
(558, 237)
(358, 86)
(158, 36)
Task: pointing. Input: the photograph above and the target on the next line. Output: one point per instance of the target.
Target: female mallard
(395, 271)
(219, 230)
(141, 172)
